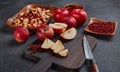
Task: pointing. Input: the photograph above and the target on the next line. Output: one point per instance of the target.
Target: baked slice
(47, 44)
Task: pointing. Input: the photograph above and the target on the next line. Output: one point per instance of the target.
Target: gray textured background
(107, 52)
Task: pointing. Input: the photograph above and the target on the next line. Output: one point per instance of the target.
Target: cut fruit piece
(57, 47)
(47, 44)
(101, 27)
(58, 27)
(64, 53)
(69, 34)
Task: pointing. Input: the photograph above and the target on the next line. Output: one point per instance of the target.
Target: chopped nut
(35, 24)
(33, 21)
(25, 21)
(47, 10)
(44, 20)
(47, 16)
(21, 14)
(17, 21)
(38, 9)
(28, 11)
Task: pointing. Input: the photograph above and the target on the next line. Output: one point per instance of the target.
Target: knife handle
(93, 66)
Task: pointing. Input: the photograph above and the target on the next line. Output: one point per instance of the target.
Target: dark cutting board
(73, 61)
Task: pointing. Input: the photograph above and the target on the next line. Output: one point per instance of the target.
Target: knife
(89, 56)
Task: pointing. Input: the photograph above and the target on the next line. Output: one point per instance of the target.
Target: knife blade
(89, 56)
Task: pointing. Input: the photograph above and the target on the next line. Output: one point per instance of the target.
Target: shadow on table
(14, 43)
(7, 30)
(102, 37)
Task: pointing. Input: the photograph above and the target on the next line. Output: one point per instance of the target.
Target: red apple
(44, 31)
(58, 27)
(70, 21)
(21, 34)
(60, 14)
(80, 15)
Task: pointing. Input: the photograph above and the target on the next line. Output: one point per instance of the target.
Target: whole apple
(80, 15)
(21, 34)
(60, 14)
(70, 21)
(44, 31)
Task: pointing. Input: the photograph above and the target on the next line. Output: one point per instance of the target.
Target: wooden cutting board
(73, 61)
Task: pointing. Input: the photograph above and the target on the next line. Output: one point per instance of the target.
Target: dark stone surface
(107, 52)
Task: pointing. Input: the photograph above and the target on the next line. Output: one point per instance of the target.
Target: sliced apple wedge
(47, 44)
(69, 34)
(64, 53)
(57, 47)
(58, 27)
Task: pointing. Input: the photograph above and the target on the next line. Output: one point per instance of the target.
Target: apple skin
(21, 34)
(58, 27)
(44, 31)
(58, 31)
(60, 13)
(70, 21)
(80, 15)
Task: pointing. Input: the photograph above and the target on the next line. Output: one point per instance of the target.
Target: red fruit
(44, 31)
(58, 27)
(80, 15)
(70, 21)
(101, 27)
(21, 34)
(107, 27)
(60, 14)
(34, 48)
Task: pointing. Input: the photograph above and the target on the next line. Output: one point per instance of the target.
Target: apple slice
(57, 47)
(69, 34)
(47, 44)
(64, 53)
(58, 27)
